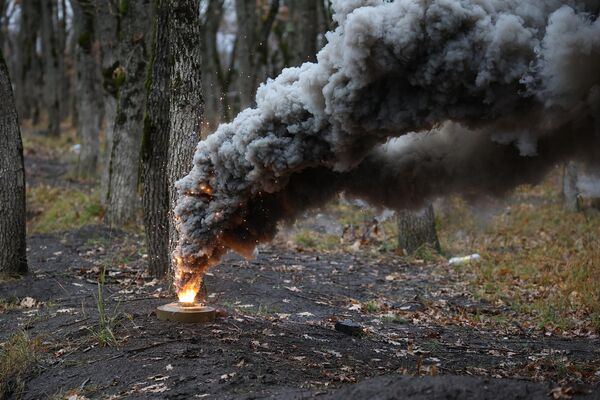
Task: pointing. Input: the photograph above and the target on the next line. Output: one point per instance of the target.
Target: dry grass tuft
(18, 357)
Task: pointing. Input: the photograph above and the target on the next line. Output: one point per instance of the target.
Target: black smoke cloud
(409, 100)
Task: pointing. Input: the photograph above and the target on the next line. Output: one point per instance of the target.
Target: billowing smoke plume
(410, 99)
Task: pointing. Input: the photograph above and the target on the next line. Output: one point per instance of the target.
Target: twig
(73, 322)
(150, 346)
(106, 359)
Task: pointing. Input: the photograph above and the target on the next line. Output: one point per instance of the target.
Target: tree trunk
(12, 181)
(26, 68)
(123, 199)
(155, 148)
(417, 228)
(106, 29)
(62, 38)
(306, 30)
(52, 76)
(88, 106)
(247, 20)
(3, 23)
(570, 191)
(186, 95)
(214, 97)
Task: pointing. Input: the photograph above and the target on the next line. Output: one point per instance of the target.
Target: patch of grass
(8, 277)
(18, 357)
(395, 318)
(537, 257)
(263, 310)
(427, 253)
(316, 241)
(104, 332)
(57, 209)
(6, 305)
(34, 143)
(371, 306)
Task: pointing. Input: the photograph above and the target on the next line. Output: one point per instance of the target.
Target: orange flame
(187, 294)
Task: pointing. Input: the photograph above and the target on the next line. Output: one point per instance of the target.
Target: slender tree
(155, 146)
(62, 37)
(12, 181)
(305, 21)
(107, 14)
(570, 190)
(27, 67)
(247, 25)
(213, 85)
(122, 196)
(3, 22)
(252, 51)
(88, 93)
(417, 228)
(52, 77)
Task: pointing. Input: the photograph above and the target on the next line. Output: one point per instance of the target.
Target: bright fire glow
(187, 295)
(189, 281)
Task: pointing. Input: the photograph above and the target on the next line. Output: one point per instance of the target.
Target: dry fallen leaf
(28, 302)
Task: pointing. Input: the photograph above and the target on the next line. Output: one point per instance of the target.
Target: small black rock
(349, 327)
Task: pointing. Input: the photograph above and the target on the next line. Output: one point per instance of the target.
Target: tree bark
(62, 38)
(306, 30)
(155, 147)
(26, 74)
(417, 228)
(51, 67)
(570, 190)
(123, 201)
(106, 28)
(3, 23)
(214, 97)
(247, 22)
(88, 105)
(187, 105)
(12, 181)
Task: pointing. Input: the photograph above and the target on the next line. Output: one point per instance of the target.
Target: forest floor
(82, 324)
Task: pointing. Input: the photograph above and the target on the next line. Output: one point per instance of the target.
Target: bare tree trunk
(305, 20)
(88, 105)
(51, 67)
(570, 191)
(26, 69)
(187, 105)
(62, 38)
(3, 23)
(123, 201)
(417, 228)
(155, 148)
(247, 21)
(106, 28)
(12, 181)
(212, 89)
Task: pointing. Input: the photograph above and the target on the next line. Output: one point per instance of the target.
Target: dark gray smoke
(409, 100)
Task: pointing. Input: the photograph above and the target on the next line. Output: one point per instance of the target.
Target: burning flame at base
(188, 283)
(188, 294)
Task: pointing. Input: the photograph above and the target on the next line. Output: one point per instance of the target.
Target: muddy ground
(423, 334)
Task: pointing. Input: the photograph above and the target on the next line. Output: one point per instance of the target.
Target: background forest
(113, 96)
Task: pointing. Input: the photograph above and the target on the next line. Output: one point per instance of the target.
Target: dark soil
(275, 336)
